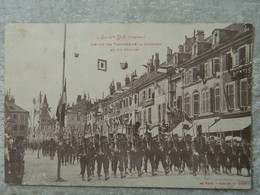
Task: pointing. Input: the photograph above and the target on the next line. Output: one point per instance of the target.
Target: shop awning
(231, 124)
(205, 124)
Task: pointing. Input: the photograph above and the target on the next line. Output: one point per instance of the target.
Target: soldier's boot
(126, 172)
(89, 178)
(153, 173)
(140, 173)
(130, 172)
(115, 176)
(83, 178)
(106, 176)
(167, 171)
(122, 174)
(99, 176)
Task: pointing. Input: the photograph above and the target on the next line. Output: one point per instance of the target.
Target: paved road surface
(43, 171)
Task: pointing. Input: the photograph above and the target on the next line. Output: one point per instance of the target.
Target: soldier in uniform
(198, 148)
(148, 153)
(137, 153)
(118, 156)
(160, 148)
(102, 156)
(86, 154)
(52, 148)
(175, 147)
(186, 153)
(211, 155)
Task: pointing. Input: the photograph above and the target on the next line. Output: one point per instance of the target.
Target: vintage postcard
(129, 105)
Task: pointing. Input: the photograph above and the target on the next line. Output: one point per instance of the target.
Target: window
(215, 38)
(149, 93)
(188, 77)
(144, 95)
(216, 66)
(126, 102)
(144, 117)
(135, 98)
(21, 117)
(207, 69)
(249, 53)
(243, 93)
(229, 61)
(15, 117)
(159, 113)
(217, 99)
(242, 56)
(196, 103)
(205, 102)
(22, 128)
(187, 104)
(130, 101)
(163, 111)
(150, 115)
(231, 95)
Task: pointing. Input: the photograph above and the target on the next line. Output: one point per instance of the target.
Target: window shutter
(224, 62)
(248, 53)
(238, 93)
(202, 71)
(249, 80)
(179, 102)
(212, 100)
(195, 74)
(213, 68)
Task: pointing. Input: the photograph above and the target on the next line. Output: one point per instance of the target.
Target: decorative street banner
(173, 110)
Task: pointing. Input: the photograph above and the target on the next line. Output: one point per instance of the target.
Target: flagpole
(59, 179)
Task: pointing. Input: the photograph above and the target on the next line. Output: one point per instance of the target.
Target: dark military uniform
(175, 147)
(186, 153)
(148, 154)
(199, 145)
(86, 153)
(160, 148)
(103, 153)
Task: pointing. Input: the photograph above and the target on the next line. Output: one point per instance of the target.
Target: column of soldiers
(126, 154)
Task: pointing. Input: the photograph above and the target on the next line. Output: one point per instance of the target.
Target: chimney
(118, 85)
(127, 80)
(112, 88)
(181, 49)
(157, 61)
(169, 55)
(150, 65)
(85, 96)
(78, 98)
(200, 35)
(12, 100)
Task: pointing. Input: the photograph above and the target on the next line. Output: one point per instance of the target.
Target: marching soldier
(148, 153)
(160, 148)
(186, 152)
(86, 154)
(175, 152)
(137, 153)
(199, 151)
(102, 156)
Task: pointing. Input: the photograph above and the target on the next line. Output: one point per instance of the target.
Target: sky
(34, 56)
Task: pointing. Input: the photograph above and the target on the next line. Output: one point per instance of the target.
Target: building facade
(207, 82)
(16, 118)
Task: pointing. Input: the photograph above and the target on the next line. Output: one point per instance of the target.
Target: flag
(185, 127)
(102, 65)
(187, 118)
(60, 113)
(156, 85)
(124, 65)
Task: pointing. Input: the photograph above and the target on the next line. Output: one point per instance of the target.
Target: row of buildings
(207, 82)
(16, 118)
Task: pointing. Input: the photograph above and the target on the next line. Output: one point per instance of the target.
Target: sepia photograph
(151, 105)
